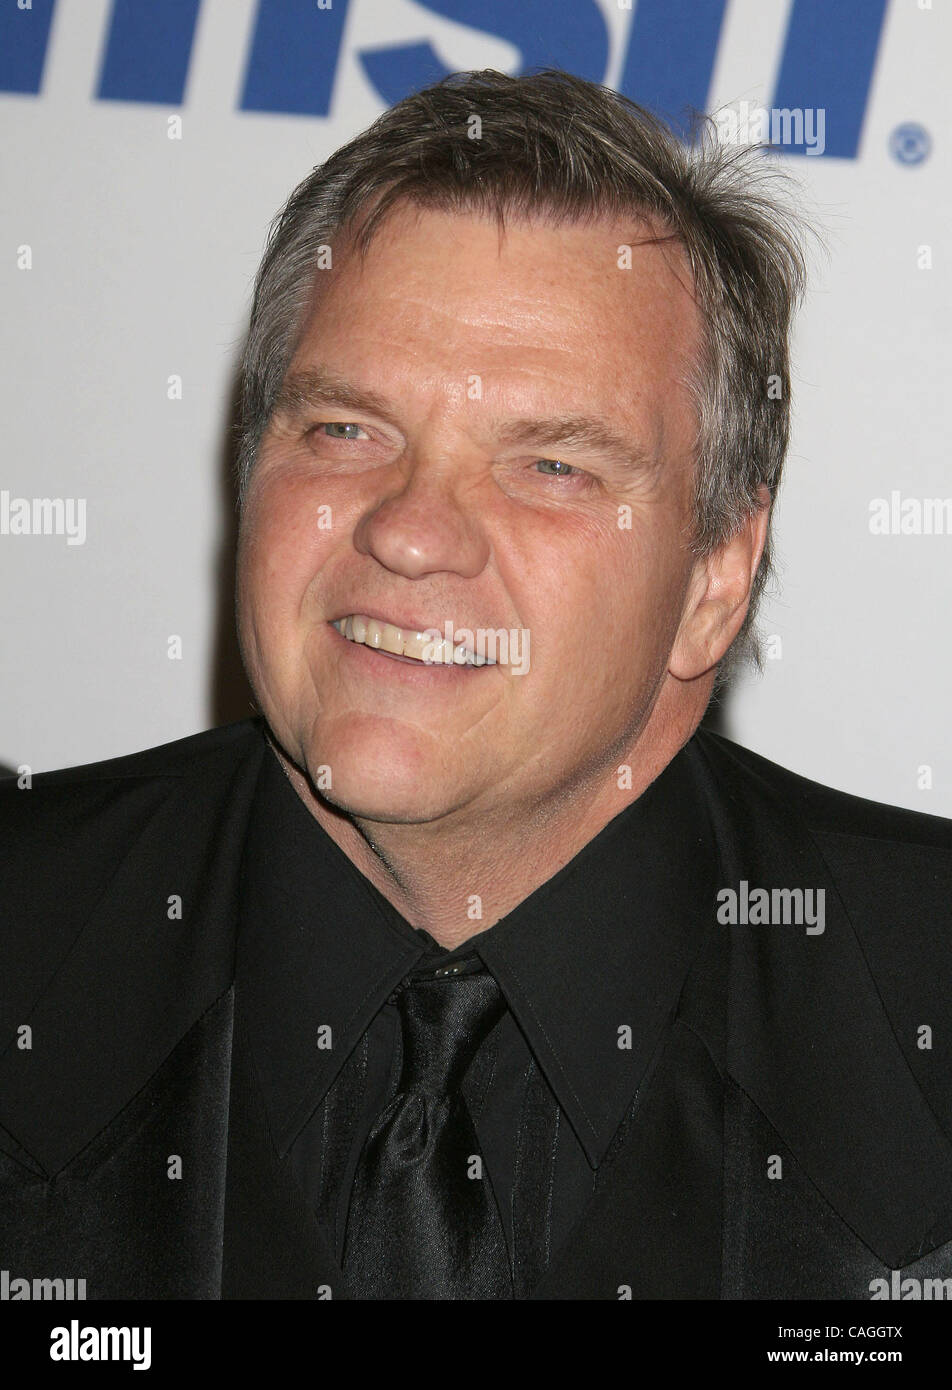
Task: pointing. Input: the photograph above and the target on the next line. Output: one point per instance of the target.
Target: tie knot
(444, 1022)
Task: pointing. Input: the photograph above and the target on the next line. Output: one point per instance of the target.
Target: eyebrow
(303, 390)
(579, 432)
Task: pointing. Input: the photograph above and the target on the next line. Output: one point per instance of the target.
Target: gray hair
(555, 145)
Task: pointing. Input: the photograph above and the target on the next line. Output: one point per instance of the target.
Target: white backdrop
(143, 249)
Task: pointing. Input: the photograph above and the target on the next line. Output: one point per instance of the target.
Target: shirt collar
(591, 964)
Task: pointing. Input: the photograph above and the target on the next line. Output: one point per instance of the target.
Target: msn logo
(828, 58)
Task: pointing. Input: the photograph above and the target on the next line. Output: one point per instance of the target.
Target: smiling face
(488, 432)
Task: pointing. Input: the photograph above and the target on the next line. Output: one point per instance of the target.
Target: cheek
(602, 577)
(605, 603)
(645, 575)
(282, 548)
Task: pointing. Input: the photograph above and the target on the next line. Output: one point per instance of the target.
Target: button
(467, 966)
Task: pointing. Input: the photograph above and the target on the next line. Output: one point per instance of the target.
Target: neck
(458, 876)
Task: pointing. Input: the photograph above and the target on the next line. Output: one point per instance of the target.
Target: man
(473, 969)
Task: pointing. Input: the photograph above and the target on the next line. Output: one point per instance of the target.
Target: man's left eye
(555, 468)
(339, 429)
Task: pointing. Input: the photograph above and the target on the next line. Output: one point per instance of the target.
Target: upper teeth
(421, 646)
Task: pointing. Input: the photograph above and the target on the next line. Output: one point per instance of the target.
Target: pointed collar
(591, 963)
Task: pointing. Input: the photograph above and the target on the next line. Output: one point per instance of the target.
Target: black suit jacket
(133, 1069)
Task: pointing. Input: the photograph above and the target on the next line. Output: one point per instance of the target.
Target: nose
(428, 526)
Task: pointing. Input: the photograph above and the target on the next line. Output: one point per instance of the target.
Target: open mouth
(426, 647)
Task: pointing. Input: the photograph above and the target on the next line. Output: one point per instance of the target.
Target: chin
(364, 799)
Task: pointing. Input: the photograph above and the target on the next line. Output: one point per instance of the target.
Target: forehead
(604, 305)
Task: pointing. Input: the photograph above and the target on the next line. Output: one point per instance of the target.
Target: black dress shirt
(592, 966)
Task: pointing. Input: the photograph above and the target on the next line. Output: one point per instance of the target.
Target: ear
(719, 595)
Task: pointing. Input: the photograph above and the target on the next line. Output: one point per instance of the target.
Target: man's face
(492, 432)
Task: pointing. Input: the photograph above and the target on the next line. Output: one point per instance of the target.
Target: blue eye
(337, 429)
(557, 467)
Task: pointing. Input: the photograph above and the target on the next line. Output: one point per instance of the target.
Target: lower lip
(404, 667)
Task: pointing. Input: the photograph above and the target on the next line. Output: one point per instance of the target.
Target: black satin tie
(423, 1221)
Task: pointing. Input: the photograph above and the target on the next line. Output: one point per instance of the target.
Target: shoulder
(71, 838)
(75, 815)
(124, 788)
(891, 869)
(91, 811)
(184, 757)
(823, 810)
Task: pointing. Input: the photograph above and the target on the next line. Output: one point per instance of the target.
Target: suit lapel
(149, 956)
(273, 1247)
(814, 1077)
(115, 1121)
(139, 1212)
(810, 1045)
